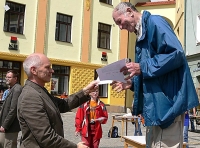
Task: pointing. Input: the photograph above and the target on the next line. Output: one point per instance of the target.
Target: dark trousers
(192, 124)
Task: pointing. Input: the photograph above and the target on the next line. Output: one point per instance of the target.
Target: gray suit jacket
(8, 116)
(40, 119)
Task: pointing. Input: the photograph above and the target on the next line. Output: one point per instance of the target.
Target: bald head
(33, 60)
(121, 7)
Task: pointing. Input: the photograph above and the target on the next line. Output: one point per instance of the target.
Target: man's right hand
(2, 129)
(119, 86)
(93, 86)
(82, 145)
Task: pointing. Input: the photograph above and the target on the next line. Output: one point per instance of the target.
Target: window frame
(198, 30)
(58, 75)
(4, 68)
(101, 87)
(109, 2)
(8, 15)
(100, 34)
(67, 25)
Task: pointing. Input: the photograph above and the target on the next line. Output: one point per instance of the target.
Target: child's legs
(95, 143)
(86, 140)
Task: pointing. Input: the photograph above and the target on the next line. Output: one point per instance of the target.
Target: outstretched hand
(119, 86)
(93, 86)
(2, 129)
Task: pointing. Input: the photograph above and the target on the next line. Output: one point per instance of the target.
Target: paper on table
(112, 71)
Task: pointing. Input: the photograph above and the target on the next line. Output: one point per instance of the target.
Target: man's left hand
(133, 69)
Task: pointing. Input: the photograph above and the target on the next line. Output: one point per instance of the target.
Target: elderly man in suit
(8, 118)
(39, 111)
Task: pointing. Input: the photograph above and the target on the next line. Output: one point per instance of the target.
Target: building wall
(185, 29)
(82, 54)
(25, 41)
(192, 11)
(190, 40)
(180, 21)
(62, 50)
(100, 10)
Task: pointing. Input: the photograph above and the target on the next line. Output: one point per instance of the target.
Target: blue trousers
(185, 135)
(138, 131)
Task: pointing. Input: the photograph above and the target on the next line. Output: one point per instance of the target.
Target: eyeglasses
(95, 92)
(8, 77)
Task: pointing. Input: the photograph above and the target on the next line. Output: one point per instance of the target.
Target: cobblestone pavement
(69, 128)
(68, 119)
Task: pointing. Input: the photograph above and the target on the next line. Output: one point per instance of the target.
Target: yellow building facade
(81, 54)
(38, 28)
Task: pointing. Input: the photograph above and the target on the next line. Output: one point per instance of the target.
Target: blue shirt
(5, 94)
(186, 122)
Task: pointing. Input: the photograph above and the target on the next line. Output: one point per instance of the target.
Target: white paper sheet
(104, 81)
(112, 71)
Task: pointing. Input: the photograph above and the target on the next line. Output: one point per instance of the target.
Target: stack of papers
(127, 115)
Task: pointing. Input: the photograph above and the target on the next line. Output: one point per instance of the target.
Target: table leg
(113, 120)
(126, 126)
(125, 145)
(122, 130)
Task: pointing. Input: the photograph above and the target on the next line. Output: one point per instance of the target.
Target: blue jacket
(165, 89)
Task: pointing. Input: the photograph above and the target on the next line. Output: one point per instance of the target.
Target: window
(63, 28)
(106, 1)
(14, 18)
(60, 79)
(103, 36)
(103, 89)
(6, 66)
(198, 30)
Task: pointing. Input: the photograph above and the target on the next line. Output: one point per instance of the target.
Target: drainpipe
(185, 26)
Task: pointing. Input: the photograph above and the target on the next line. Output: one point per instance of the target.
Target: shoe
(192, 130)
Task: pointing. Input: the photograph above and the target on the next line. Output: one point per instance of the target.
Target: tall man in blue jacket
(160, 77)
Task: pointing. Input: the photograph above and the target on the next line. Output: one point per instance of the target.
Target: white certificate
(104, 81)
(112, 71)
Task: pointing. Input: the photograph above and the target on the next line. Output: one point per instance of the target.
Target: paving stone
(106, 142)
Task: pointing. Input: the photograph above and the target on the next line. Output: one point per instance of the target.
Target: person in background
(138, 131)
(5, 94)
(64, 95)
(1, 94)
(88, 120)
(39, 112)
(9, 124)
(193, 113)
(185, 129)
(160, 76)
(53, 84)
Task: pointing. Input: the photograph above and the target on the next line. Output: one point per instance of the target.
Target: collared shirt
(138, 27)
